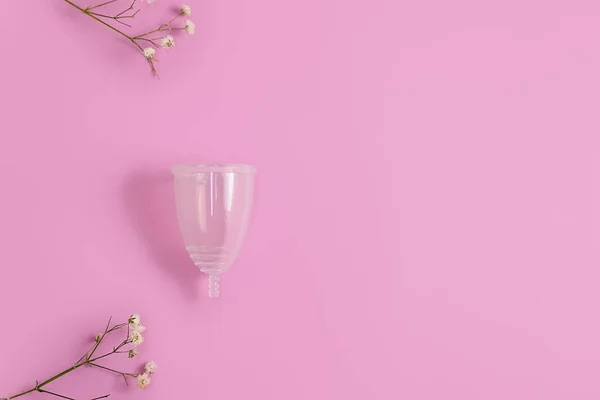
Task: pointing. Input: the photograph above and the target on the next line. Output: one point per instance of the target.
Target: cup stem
(213, 285)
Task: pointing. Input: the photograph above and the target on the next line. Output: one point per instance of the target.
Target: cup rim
(191, 169)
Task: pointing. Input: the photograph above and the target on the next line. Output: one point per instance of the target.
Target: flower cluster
(148, 42)
(91, 358)
(143, 380)
(135, 331)
(135, 337)
(167, 41)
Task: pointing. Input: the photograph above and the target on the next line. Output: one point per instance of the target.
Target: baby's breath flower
(168, 41)
(137, 328)
(143, 381)
(98, 337)
(136, 338)
(132, 353)
(134, 320)
(150, 367)
(186, 10)
(149, 53)
(190, 27)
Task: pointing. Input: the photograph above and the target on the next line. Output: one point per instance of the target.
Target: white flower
(150, 1)
(135, 318)
(143, 381)
(186, 10)
(149, 54)
(168, 41)
(136, 328)
(190, 27)
(150, 367)
(136, 338)
(132, 353)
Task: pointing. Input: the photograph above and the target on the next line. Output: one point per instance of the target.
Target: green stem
(21, 394)
(39, 386)
(66, 371)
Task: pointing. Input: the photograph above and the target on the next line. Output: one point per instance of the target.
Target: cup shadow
(150, 204)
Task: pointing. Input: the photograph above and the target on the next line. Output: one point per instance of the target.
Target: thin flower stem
(85, 360)
(38, 386)
(115, 349)
(21, 394)
(128, 9)
(83, 10)
(133, 39)
(55, 394)
(83, 357)
(111, 370)
(174, 18)
(102, 356)
(102, 336)
(151, 41)
(161, 28)
(118, 17)
(66, 371)
(101, 397)
(114, 328)
(117, 327)
(100, 5)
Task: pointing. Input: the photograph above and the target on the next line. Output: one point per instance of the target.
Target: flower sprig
(128, 346)
(148, 42)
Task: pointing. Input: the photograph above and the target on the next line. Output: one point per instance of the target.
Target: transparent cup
(214, 203)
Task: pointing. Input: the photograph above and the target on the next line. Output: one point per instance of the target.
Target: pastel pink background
(427, 210)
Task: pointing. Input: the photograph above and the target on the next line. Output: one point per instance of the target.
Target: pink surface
(427, 210)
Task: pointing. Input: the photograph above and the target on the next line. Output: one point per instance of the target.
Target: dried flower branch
(146, 42)
(133, 338)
